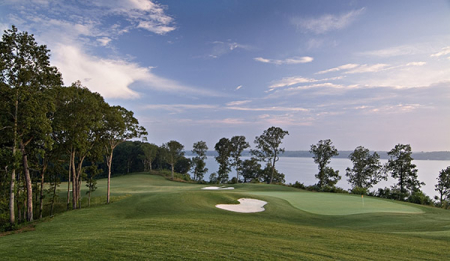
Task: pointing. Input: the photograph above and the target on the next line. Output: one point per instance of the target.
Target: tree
(174, 153)
(149, 154)
(238, 145)
(367, 169)
(198, 162)
(251, 170)
(223, 148)
(323, 152)
(79, 117)
(268, 147)
(25, 77)
(119, 126)
(401, 167)
(443, 185)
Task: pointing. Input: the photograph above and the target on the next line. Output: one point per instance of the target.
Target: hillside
(157, 219)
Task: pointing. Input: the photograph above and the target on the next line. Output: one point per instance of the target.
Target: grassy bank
(159, 219)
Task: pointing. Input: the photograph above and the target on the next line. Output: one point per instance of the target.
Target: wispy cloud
(237, 103)
(293, 60)
(339, 68)
(393, 51)
(367, 68)
(221, 48)
(289, 81)
(179, 108)
(76, 32)
(443, 52)
(328, 22)
(275, 108)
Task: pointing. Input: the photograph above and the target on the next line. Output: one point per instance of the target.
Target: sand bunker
(217, 188)
(247, 205)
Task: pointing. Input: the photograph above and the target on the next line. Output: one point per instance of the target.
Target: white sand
(247, 205)
(216, 188)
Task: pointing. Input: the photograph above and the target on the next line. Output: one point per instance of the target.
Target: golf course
(151, 218)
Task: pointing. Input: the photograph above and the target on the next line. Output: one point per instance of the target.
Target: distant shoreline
(434, 155)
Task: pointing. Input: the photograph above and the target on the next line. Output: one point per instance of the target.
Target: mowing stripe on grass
(338, 204)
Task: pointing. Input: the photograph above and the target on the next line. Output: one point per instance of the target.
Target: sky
(361, 73)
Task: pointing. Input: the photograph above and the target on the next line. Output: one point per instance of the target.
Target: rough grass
(164, 220)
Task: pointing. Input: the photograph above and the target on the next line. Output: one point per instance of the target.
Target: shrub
(359, 191)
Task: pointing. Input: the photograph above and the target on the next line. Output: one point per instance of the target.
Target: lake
(304, 169)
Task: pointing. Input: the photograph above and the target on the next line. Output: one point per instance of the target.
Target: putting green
(339, 204)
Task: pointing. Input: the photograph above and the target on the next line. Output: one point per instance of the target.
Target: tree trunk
(12, 218)
(173, 169)
(53, 199)
(109, 162)
(41, 207)
(28, 183)
(89, 198)
(74, 183)
(68, 181)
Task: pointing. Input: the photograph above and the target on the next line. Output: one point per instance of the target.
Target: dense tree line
(50, 132)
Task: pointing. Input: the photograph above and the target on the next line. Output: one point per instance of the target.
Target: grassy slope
(168, 220)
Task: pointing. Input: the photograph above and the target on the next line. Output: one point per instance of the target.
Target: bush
(298, 185)
(359, 191)
(419, 198)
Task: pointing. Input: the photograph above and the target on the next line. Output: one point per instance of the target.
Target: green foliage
(401, 167)
(198, 162)
(359, 191)
(268, 147)
(323, 152)
(223, 148)
(238, 145)
(443, 185)
(251, 170)
(367, 170)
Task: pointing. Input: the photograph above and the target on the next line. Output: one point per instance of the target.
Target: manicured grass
(339, 204)
(156, 219)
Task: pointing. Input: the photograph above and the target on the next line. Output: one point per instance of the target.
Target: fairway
(339, 204)
(156, 219)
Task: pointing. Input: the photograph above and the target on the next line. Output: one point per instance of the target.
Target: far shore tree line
(52, 133)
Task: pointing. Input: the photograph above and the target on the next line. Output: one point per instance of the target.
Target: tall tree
(199, 149)
(401, 167)
(238, 145)
(251, 170)
(80, 123)
(268, 147)
(223, 148)
(149, 154)
(367, 169)
(443, 185)
(25, 76)
(119, 125)
(174, 153)
(323, 152)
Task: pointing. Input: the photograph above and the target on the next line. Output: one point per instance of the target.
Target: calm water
(304, 169)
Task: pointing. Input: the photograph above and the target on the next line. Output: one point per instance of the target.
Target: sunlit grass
(154, 218)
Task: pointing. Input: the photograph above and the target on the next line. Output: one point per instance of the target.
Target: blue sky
(369, 73)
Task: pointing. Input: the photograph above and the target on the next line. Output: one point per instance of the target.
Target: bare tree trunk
(79, 191)
(53, 199)
(74, 183)
(28, 183)
(109, 162)
(68, 182)
(19, 210)
(41, 207)
(89, 198)
(12, 218)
